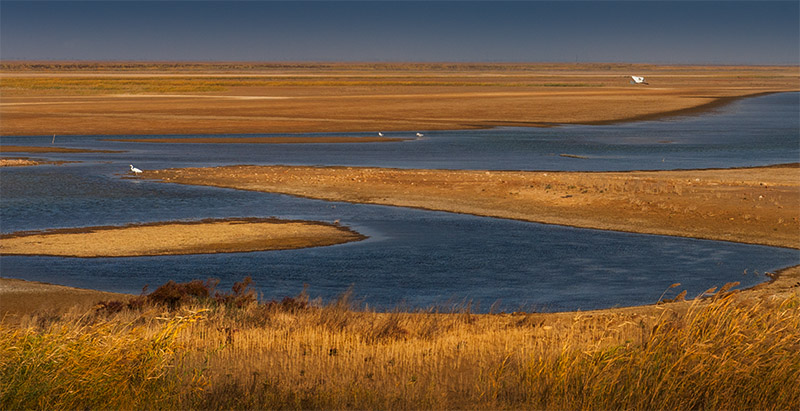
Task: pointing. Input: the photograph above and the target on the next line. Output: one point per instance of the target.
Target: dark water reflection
(417, 258)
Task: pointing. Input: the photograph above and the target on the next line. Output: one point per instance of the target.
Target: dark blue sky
(744, 32)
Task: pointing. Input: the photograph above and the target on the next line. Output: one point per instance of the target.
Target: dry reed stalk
(724, 352)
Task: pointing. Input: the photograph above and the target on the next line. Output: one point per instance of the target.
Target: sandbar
(25, 162)
(263, 140)
(45, 149)
(147, 98)
(18, 162)
(174, 238)
(759, 205)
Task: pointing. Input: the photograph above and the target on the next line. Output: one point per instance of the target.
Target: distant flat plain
(207, 98)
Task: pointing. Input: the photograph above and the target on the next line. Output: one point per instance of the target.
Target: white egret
(637, 80)
(135, 170)
(380, 134)
(420, 134)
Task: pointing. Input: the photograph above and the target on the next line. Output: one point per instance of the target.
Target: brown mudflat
(263, 140)
(162, 98)
(172, 238)
(748, 205)
(44, 149)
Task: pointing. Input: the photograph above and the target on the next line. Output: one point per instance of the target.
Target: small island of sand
(173, 238)
(263, 140)
(46, 149)
(18, 162)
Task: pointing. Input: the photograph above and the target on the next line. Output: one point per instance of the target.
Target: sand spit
(45, 149)
(104, 99)
(25, 161)
(263, 140)
(173, 238)
(749, 205)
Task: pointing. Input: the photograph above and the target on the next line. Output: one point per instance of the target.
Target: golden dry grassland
(727, 351)
(160, 98)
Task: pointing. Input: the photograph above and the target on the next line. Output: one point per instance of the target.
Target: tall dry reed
(724, 352)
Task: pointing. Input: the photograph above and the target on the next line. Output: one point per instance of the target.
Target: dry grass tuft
(719, 352)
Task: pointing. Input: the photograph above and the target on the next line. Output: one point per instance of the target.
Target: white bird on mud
(135, 170)
(637, 80)
(420, 134)
(380, 134)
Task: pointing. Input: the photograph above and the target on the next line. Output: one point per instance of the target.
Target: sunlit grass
(229, 352)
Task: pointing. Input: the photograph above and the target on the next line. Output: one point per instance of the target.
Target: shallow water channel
(413, 258)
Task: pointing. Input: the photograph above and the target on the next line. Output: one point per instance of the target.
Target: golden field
(159, 98)
(731, 350)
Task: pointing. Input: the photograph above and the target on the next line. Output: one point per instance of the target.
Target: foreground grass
(185, 348)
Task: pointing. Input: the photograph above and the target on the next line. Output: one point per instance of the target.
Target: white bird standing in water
(135, 170)
(380, 134)
(420, 134)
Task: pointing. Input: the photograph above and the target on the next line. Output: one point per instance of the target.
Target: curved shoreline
(718, 102)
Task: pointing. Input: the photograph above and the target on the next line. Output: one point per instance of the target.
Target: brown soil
(19, 298)
(35, 149)
(206, 99)
(172, 238)
(263, 140)
(748, 205)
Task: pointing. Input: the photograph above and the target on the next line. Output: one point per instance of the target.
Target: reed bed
(213, 351)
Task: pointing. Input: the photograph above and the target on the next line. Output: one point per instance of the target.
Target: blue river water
(413, 258)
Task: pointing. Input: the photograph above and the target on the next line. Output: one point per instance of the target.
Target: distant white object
(637, 80)
(380, 134)
(135, 170)
(420, 134)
